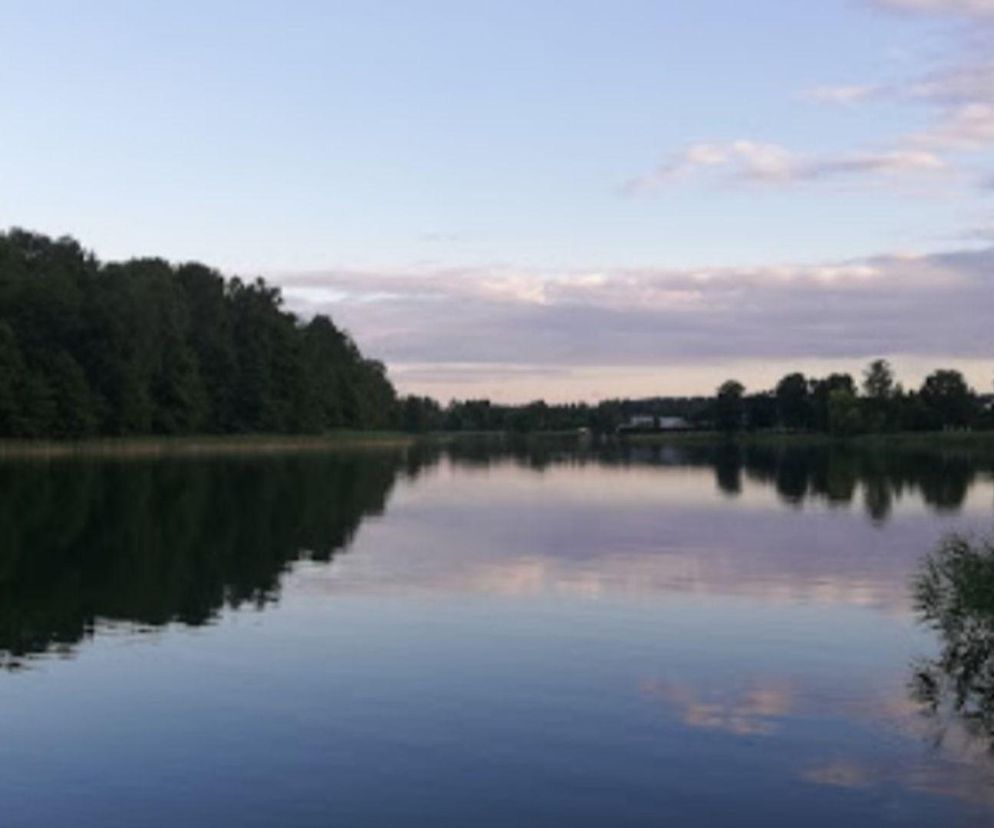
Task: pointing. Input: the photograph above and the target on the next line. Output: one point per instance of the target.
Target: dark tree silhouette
(145, 347)
(950, 399)
(729, 410)
(793, 403)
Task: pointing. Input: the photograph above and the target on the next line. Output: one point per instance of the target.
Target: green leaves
(144, 347)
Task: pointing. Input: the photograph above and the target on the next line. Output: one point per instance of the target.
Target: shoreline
(201, 445)
(895, 440)
(263, 444)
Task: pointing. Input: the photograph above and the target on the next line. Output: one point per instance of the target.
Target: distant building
(646, 423)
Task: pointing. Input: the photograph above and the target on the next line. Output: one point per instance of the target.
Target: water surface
(677, 636)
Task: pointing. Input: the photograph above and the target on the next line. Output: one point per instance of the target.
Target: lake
(526, 636)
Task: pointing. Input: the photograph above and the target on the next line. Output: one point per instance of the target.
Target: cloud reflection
(756, 711)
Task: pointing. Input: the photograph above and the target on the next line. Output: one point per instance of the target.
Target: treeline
(835, 404)
(146, 347)
(425, 414)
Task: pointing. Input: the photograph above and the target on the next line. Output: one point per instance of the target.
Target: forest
(147, 347)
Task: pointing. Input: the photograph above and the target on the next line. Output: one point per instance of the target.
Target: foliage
(146, 347)
(954, 594)
(729, 409)
(878, 380)
(949, 397)
(844, 418)
(793, 402)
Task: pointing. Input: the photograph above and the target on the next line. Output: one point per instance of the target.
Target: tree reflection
(728, 468)
(177, 540)
(954, 595)
(836, 473)
(167, 541)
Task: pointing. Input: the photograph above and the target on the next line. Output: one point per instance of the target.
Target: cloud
(964, 99)
(493, 321)
(981, 232)
(968, 82)
(969, 8)
(747, 161)
(966, 127)
(853, 93)
(893, 162)
(960, 96)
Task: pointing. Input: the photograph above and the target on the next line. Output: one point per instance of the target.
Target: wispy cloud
(971, 8)
(846, 94)
(964, 98)
(748, 161)
(966, 127)
(960, 95)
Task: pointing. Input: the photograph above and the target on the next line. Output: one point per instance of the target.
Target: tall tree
(878, 380)
(821, 392)
(946, 393)
(793, 402)
(729, 409)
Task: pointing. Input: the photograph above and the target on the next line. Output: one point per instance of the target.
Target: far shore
(897, 439)
(251, 444)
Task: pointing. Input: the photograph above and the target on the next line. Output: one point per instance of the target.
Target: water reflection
(154, 542)
(523, 634)
(836, 473)
(753, 711)
(954, 595)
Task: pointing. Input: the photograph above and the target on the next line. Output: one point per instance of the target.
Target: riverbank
(905, 440)
(203, 446)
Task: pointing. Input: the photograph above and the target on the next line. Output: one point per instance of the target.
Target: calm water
(677, 637)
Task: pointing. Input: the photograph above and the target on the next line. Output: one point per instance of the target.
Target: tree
(878, 380)
(143, 346)
(878, 385)
(844, 418)
(821, 391)
(12, 378)
(728, 406)
(74, 408)
(761, 410)
(793, 403)
(946, 393)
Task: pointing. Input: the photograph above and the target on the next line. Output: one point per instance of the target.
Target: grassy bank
(981, 440)
(208, 445)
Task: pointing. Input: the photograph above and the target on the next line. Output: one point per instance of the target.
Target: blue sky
(555, 173)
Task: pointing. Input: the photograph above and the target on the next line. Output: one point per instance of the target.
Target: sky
(537, 199)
